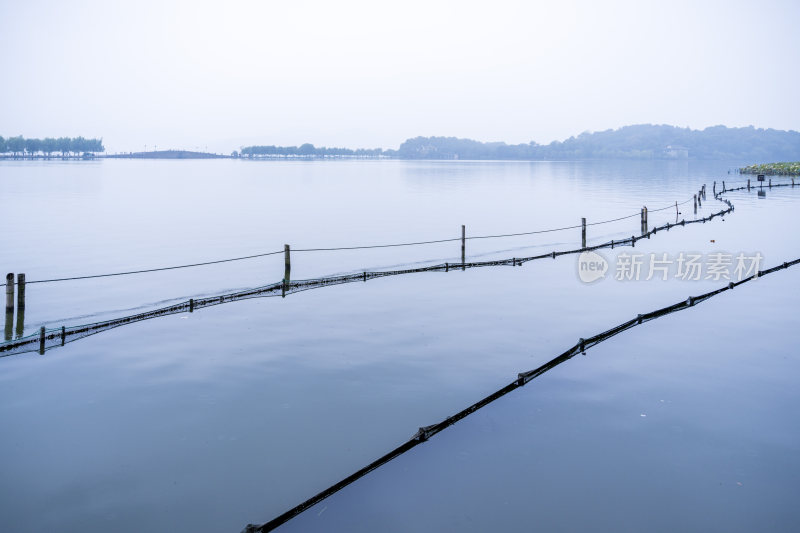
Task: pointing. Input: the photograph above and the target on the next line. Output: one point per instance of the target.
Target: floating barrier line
(51, 338)
(55, 337)
(426, 432)
(365, 247)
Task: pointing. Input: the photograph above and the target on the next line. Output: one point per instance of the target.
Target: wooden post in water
(699, 198)
(583, 232)
(9, 330)
(463, 246)
(770, 183)
(9, 292)
(714, 189)
(644, 220)
(63, 335)
(723, 185)
(287, 271)
(748, 184)
(41, 340)
(20, 305)
(695, 204)
(287, 260)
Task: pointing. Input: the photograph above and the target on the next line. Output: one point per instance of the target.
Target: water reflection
(20, 305)
(9, 323)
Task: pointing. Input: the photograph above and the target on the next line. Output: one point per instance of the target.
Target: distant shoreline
(185, 154)
(637, 142)
(165, 154)
(161, 154)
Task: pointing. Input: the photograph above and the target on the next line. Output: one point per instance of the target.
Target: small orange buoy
(712, 240)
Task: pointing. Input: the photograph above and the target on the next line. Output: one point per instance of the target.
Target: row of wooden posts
(761, 182)
(20, 282)
(20, 309)
(698, 198)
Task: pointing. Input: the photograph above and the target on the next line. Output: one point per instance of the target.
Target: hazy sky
(367, 74)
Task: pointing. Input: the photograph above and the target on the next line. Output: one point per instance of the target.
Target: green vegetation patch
(773, 169)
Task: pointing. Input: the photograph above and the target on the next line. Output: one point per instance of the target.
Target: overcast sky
(368, 74)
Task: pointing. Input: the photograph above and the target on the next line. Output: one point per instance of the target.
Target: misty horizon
(189, 75)
(153, 147)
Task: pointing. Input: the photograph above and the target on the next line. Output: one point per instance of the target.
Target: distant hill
(644, 141)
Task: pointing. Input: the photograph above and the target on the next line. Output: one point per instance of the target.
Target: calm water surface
(235, 413)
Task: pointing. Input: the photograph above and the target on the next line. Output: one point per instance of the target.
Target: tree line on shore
(642, 141)
(20, 145)
(309, 150)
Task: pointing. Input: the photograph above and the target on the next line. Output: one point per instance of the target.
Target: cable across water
(338, 248)
(55, 337)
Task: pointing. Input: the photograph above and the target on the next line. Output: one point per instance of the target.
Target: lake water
(236, 413)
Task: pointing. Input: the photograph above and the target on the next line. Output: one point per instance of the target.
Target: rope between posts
(65, 334)
(426, 432)
(285, 287)
(340, 248)
(670, 206)
(154, 269)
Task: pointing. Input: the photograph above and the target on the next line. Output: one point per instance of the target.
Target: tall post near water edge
(644, 224)
(748, 184)
(583, 232)
(287, 269)
(287, 261)
(695, 204)
(463, 246)
(641, 221)
(20, 305)
(9, 330)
